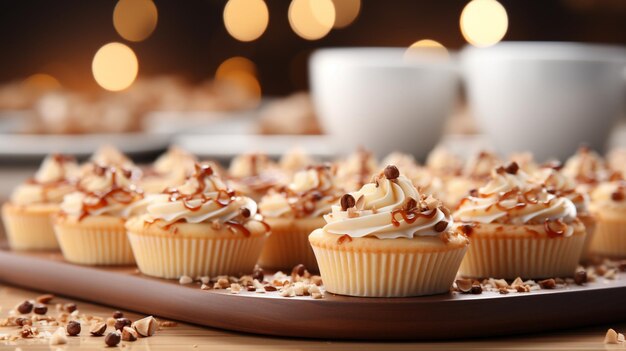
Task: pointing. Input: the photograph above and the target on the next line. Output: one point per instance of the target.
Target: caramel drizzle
(116, 193)
(344, 238)
(47, 186)
(552, 233)
(411, 215)
(203, 173)
(305, 203)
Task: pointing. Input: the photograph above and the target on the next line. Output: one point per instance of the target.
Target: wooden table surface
(189, 337)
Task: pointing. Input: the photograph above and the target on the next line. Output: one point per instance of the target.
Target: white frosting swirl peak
(388, 209)
(54, 179)
(509, 197)
(203, 198)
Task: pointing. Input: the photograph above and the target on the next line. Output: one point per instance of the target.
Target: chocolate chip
(580, 277)
(270, 288)
(512, 168)
(258, 274)
(617, 196)
(245, 213)
(251, 288)
(73, 328)
(25, 307)
(547, 283)
(21, 321)
(298, 270)
(98, 329)
(70, 307)
(441, 226)
(464, 285)
(392, 172)
(473, 192)
(120, 323)
(476, 288)
(112, 339)
(40, 309)
(118, 314)
(45, 299)
(347, 201)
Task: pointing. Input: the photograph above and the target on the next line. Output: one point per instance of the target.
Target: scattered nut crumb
(185, 280)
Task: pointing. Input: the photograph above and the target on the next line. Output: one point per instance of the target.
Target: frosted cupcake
(519, 229)
(90, 227)
(558, 184)
(201, 228)
(616, 160)
(254, 174)
(169, 170)
(474, 174)
(443, 163)
(608, 204)
(295, 160)
(293, 212)
(27, 216)
(356, 170)
(388, 240)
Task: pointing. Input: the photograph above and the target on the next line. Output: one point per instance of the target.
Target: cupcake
(388, 240)
(201, 228)
(27, 216)
(519, 229)
(90, 227)
(254, 174)
(558, 184)
(608, 205)
(356, 170)
(616, 160)
(170, 169)
(293, 212)
(474, 174)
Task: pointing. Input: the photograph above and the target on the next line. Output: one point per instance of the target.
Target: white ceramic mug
(375, 98)
(546, 98)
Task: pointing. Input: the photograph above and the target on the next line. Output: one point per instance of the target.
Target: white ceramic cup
(375, 98)
(546, 98)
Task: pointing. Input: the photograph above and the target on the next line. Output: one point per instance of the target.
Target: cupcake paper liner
(174, 256)
(289, 245)
(388, 274)
(609, 239)
(29, 230)
(94, 245)
(510, 257)
(590, 227)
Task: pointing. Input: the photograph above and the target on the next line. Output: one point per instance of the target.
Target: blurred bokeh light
(246, 20)
(115, 66)
(427, 48)
(311, 19)
(135, 20)
(346, 11)
(240, 73)
(484, 22)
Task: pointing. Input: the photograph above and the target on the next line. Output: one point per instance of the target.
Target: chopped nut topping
(113, 338)
(98, 329)
(45, 299)
(580, 277)
(464, 285)
(185, 280)
(129, 334)
(611, 337)
(547, 284)
(146, 326)
(58, 337)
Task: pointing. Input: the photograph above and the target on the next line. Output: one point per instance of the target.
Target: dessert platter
(354, 249)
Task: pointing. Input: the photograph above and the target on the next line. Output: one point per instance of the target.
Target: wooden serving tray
(447, 316)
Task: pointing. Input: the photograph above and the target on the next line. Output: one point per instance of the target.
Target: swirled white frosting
(586, 166)
(376, 203)
(513, 199)
(609, 195)
(311, 193)
(51, 183)
(104, 191)
(481, 164)
(557, 183)
(203, 198)
(443, 162)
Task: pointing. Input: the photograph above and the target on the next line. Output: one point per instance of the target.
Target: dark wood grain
(447, 316)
